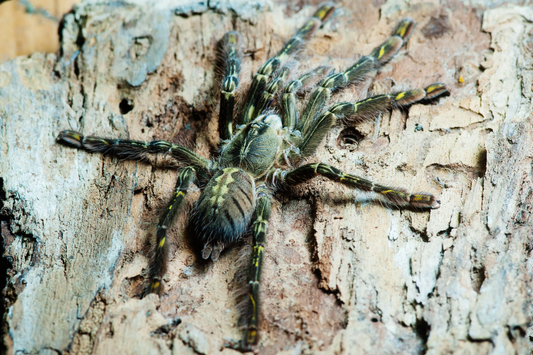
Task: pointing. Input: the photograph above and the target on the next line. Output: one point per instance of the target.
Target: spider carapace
(264, 147)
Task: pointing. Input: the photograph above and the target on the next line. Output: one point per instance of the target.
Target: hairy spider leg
(365, 67)
(288, 98)
(291, 47)
(394, 196)
(352, 113)
(136, 150)
(271, 89)
(259, 229)
(160, 249)
(231, 54)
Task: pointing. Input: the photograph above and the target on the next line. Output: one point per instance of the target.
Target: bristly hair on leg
(241, 287)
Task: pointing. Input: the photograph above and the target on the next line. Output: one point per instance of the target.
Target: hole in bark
(477, 276)
(125, 106)
(349, 136)
(422, 329)
(482, 163)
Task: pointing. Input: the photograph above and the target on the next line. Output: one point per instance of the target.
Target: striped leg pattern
(259, 229)
(159, 253)
(352, 113)
(290, 48)
(135, 150)
(231, 55)
(288, 99)
(393, 196)
(365, 67)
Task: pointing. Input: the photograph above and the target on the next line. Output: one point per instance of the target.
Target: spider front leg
(231, 55)
(259, 229)
(393, 196)
(288, 98)
(136, 150)
(365, 67)
(291, 47)
(362, 110)
(159, 253)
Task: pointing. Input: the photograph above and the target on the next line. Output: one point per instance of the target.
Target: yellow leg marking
(170, 207)
(251, 336)
(400, 96)
(308, 25)
(179, 193)
(253, 306)
(418, 198)
(162, 242)
(402, 29)
(259, 251)
(381, 52)
(393, 192)
(435, 87)
(322, 12)
(232, 39)
(155, 285)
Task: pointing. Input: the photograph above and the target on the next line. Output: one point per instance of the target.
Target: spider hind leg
(159, 252)
(259, 230)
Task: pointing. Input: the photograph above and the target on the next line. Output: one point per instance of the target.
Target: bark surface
(342, 275)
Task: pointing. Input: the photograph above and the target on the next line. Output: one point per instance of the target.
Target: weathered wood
(342, 275)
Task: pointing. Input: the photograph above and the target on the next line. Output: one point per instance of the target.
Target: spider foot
(212, 250)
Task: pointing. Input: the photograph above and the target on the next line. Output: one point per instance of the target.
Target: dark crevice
(5, 265)
(478, 277)
(422, 330)
(167, 328)
(349, 136)
(125, 106)
(515, 332)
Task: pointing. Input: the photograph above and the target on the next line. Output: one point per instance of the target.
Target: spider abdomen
(224, 210)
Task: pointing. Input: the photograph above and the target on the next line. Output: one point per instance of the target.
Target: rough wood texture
(343, 275)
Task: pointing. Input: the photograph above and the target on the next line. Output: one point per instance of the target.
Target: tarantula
(264, 148)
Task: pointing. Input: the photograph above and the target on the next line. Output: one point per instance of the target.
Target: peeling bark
(343, 275)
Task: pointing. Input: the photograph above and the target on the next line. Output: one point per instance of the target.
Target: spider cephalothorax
(264, 147)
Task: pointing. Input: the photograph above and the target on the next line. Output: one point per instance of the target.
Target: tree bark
(342, 274)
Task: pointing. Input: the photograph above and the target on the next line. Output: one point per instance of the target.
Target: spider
(264, 148)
